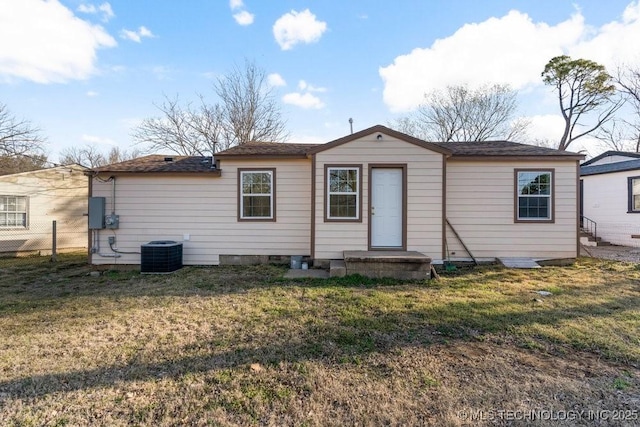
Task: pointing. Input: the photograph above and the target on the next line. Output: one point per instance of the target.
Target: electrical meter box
(112, 221)
(96, 213)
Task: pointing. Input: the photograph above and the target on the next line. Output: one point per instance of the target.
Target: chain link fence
(45, 238)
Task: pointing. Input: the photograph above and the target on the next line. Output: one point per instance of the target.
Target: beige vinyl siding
(480, 205)
(424, 196)
(167, 207)
(58, 194)
(606, 202)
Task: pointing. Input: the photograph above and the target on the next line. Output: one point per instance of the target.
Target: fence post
(54, 256)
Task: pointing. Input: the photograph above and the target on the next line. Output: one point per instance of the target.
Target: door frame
(402, 166)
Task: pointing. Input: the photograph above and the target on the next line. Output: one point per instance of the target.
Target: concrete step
(337, 268)
(404, 265)
(602, 243)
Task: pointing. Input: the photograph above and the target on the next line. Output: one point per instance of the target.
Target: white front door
(386, 211)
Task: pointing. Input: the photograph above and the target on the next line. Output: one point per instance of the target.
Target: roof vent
(168, 159)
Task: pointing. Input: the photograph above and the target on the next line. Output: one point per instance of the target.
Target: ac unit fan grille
(161, 257)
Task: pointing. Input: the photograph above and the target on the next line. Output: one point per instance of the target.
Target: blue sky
(86, 72)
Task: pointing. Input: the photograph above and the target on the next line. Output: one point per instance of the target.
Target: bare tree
(462, 114)
(91, 157)
(22, 163)
(247, 111)
(628, 81)
(18, 137)
(583, 87)
(618, 135)
(250, 111)
(117, 155)
(182, 130)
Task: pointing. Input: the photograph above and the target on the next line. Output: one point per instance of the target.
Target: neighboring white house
(610, 187)
(31, 201)
(377, 189)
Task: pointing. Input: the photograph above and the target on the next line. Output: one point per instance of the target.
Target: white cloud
(298, 27)
(105, 9)
(243, 18)
(87, 8)
(92, 94)
(45, 42)
(511, 50)
(275, 80)
(545, 127)
(303, 100)
(236, 4)
(136, 35)
(612, 43)
(303, 85)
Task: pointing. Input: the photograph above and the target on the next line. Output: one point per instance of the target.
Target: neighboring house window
(256, 196)
(13, 211)
(343, 193)
(633, 184)
(534, 198)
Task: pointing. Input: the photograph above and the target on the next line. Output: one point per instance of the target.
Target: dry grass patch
(242, 346)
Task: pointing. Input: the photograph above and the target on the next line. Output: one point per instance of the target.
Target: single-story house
(377, 189)
(610, 202)
(31, 201)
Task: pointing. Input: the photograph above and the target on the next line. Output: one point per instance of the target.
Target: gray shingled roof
(457, 149)
(610, 167)
(501, 148)
(162, 163)
(270, 149)
(184, 164)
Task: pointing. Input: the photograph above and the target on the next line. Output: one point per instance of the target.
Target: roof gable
(612, 153)
(381, 130)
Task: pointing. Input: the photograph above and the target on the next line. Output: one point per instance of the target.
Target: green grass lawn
(243, 346)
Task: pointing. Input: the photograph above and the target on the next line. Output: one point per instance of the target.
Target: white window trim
(242, 194)
(342, 193)
(26, 213)
(549, 196)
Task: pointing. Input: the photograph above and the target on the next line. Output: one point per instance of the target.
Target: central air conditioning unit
(161, 256)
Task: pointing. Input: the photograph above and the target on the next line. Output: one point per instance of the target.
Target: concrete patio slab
(519, 262)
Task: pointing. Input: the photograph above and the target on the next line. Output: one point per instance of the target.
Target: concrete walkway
(518, 262)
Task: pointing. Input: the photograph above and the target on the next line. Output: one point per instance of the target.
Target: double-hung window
(633, 184)
(343, 185)
(13, 211)
(534, 195)
(256, 198)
